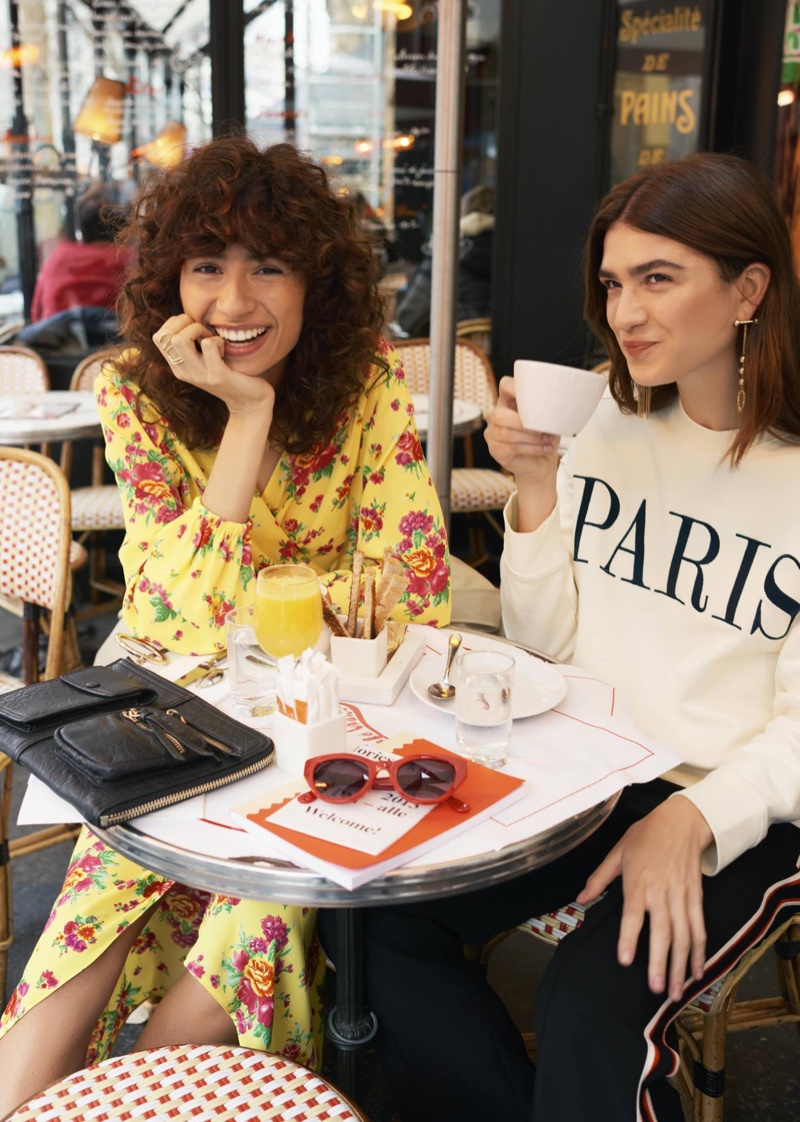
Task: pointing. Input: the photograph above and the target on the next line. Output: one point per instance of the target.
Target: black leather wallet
(118, 741)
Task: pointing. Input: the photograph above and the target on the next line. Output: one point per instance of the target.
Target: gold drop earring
(741, 394)
(643, 394)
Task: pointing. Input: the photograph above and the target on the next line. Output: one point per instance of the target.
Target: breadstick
(368, 626)
(392, 591)
(355, 593)
(392, 566)
(331, 618)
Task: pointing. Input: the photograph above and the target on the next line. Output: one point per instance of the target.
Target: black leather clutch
(118, 741)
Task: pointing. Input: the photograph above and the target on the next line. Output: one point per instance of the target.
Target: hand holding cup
(528, 455)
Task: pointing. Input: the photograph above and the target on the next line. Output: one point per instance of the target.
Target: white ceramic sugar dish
(362, 658)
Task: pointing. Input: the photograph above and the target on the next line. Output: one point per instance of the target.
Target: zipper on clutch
(209, 739)
(119, 816)
(133, 715)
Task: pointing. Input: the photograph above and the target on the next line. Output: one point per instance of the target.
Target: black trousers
(450, 1050)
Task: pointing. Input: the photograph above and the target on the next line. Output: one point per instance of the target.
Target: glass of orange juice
(288, 615)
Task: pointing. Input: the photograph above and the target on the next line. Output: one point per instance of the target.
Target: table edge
(253, 878)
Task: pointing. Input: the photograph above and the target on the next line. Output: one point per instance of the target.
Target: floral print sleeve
(393, 502)
(368, 487)
(184, 567)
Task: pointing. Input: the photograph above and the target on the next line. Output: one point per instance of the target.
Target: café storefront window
(100, 89)
(354, 83)
(658, 84)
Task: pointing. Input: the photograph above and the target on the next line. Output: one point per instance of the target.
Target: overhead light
(394, 8)
(399, 142)
(167, 149)
(786, 97)
(101, 113)
(19, 56)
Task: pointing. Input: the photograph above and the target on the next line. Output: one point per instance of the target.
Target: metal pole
(21, 177)
(289, 99)
(226, 48)
(67, 135)
(450, 81)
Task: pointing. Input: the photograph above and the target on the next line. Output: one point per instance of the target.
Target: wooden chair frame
(703, 1028)
(478, 330)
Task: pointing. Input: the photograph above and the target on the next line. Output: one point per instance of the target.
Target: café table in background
(467, 416)
(46, 419)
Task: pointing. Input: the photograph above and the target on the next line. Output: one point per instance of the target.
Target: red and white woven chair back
(34, 529)
(416, 356)
(85, 373)
(473, 377)
(22, 371)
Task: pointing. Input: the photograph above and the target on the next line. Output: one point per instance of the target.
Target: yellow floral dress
(366, 488)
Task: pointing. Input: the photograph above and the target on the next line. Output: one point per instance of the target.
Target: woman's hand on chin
(179, 339)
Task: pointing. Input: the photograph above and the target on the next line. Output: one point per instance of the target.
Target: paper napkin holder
(295, 742)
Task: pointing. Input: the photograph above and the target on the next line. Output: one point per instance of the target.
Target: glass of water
(252, 674)
(483, 682)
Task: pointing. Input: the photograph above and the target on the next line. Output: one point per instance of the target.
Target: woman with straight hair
(257, 418)
(662, 555)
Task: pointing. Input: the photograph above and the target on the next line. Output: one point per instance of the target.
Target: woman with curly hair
(257, 418)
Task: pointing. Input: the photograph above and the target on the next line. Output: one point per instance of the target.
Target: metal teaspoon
(444, 690)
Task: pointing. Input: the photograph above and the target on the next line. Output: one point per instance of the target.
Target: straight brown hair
(723, 207)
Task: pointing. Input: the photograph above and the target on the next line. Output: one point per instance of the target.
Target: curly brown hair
(273, 202)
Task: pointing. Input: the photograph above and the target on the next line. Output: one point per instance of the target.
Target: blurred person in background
(88, 272)
(476, 234)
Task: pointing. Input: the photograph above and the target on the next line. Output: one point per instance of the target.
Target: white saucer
(537, 686)
(464, 412)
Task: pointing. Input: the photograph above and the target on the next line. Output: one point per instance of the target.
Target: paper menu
(486, 791)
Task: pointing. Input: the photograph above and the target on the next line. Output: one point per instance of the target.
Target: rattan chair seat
(185, 1082)
(479, 489)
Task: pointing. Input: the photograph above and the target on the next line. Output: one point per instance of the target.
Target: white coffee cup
(556, 399)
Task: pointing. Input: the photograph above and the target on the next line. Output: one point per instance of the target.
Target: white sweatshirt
(677, 579)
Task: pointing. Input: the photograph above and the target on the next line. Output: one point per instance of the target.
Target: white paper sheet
(573, 758)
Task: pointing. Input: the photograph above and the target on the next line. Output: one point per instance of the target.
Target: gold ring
(174, 359)
(164, 339)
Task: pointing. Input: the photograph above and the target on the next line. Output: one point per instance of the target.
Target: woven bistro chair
(35, 572)
(702, 1026)
(473, 490)
(22, 371)
(478, 331)
(96, 509)
(184, 1082)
